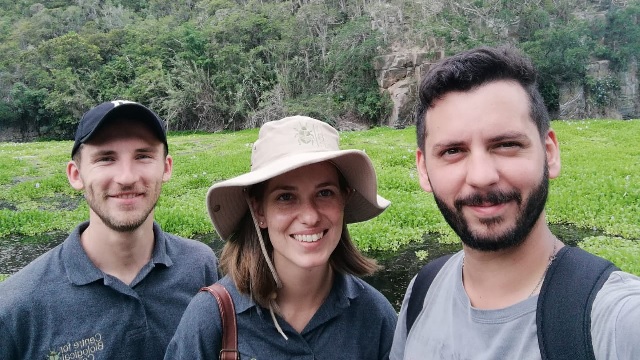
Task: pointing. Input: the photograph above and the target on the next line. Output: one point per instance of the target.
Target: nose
(127, 174)
(482, 171)
(309, 213)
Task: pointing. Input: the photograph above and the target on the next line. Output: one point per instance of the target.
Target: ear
(552, 149)
(168, 168)
(73, 175)
(347, 194)
(421, 166)
(258, 212)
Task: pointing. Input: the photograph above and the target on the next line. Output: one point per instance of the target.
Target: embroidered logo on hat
(308, 135)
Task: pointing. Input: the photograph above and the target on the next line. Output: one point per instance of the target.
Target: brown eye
(325, 192)
(509, 145)
(449, 152)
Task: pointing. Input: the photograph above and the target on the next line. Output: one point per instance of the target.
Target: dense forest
(229, 64)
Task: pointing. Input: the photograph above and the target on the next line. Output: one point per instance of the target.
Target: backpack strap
(229, 350)
(421, 286)
(563, 315)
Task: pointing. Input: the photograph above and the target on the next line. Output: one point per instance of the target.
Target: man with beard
(486, 152)
(116, 288)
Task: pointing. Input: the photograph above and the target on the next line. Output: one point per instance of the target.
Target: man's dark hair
(473, 68)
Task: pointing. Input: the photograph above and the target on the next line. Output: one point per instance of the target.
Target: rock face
(398, 76)
(611, 95)
(629, 98)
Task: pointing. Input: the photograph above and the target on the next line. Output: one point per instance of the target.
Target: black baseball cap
(99, 115)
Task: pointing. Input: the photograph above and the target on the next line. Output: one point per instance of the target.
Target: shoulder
(192, 259)
(621, 292)
(42, 274)
(199, 332)
(194, 249)
(615, 316)
(203, 307)
(26, 297)
(202, 303)
(361, 292)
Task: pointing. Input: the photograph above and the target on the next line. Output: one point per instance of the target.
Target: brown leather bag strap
(229, 350)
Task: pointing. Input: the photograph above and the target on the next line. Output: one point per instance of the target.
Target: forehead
(500, 106)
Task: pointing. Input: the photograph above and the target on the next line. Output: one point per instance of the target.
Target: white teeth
(308, 238)
(126, 196)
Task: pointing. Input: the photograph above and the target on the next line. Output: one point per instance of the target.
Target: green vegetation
(623, 252)
(597, 189)
(206, 65)
(233, 64)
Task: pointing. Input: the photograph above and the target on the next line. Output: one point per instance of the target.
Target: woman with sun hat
(291, 267)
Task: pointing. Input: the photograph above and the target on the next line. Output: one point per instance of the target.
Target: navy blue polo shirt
(61, 306)
(354, 322)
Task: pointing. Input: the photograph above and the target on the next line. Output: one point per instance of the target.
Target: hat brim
(227, 205)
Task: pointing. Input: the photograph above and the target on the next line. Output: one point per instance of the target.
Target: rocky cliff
(399, 75)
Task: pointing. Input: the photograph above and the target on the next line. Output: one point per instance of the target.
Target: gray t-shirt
(61, 306)
(448, 327)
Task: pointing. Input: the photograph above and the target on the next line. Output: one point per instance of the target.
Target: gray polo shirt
(61, 306)
(354, 322)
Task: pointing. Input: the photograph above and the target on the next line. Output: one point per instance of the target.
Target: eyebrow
(100, 153)
(293, 188)
(510, 135)
(113, 152)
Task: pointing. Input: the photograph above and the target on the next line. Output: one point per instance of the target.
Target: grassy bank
(599, 187)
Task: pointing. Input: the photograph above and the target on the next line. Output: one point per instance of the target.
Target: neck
(119, 254)
(495, 280)
(302, 294)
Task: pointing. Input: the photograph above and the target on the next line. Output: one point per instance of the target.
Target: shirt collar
(344, 289)
(241, 302)
(161, 243)
(81, 270)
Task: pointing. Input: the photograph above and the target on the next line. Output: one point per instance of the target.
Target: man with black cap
(118, 285)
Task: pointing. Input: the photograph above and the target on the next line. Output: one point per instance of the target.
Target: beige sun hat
(288, 144)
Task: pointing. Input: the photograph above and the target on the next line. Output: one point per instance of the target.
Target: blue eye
(284, 197)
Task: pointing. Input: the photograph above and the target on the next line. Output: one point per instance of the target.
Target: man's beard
(109, 216)
(511, 238)
(124, 226)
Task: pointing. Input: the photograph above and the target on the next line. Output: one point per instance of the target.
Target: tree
(353, 79)
(318, 19)
(26, 107)
(561, 54)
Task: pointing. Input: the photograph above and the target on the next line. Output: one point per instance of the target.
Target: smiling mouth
(487, 201)
(126, 196)
(308, 238)
(487, 205)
